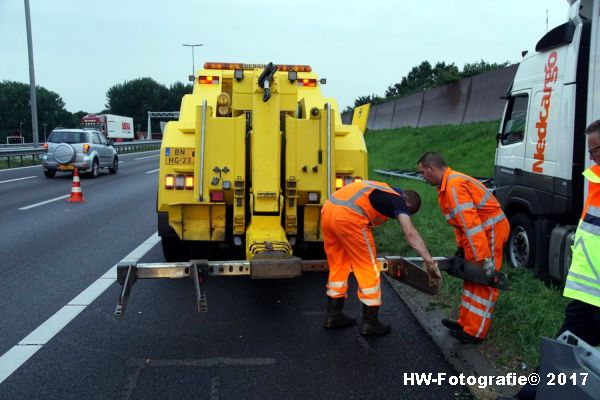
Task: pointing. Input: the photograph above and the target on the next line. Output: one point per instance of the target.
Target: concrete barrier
(408, 110)
(485, 103)
(384, 116)
(446, 104)
(469, 100)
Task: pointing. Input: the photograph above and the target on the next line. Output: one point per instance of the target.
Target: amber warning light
(208, 80)
(280, 67)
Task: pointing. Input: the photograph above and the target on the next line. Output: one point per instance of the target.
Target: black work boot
(371, 324)
(335, 317)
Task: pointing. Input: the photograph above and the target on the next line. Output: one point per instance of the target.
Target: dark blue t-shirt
(388, 204)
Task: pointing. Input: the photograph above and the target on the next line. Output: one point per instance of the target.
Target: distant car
(84, 149)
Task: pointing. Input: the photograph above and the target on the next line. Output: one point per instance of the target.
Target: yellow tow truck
(244, 172)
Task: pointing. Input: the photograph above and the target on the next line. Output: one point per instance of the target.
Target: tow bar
(407, 270)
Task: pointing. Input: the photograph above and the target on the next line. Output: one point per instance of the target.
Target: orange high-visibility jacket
(472, 210)
(355, 197)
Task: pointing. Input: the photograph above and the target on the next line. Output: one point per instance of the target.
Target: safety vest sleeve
(466, 215)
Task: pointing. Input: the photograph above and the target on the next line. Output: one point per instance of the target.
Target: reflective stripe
(485, 199)
(492, 241)
(334, 293)
(467, 177)
(480, 300)
(593, 211)
(581, 242)
(487, 309)
(373, 261)
(475, 230)
(584, 278)
(371, 302)
(582, 287)
(372, 290)
(351, 202)
(462, 218)
(471, 308)
(464, 206)
(348, 204)
(590, 227)
(337, 284)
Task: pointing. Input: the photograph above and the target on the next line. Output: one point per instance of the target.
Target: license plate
(179, 156)
(66, 167)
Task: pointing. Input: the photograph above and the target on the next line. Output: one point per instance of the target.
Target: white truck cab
(541, 146)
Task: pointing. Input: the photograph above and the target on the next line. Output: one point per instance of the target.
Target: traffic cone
(76, 193)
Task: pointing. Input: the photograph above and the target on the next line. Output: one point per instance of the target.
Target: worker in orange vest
(346, 221)
(481, 229)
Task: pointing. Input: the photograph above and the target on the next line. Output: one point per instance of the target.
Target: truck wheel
(174, 249)
(522, 242)
(115, 166)
(49, 173)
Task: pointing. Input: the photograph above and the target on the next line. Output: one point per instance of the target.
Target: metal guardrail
(416, 175)
(23, 153)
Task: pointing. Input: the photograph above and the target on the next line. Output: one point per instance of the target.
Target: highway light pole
(193, 76)
(32, 97)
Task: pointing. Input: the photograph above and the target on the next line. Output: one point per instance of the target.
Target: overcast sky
(83, 47)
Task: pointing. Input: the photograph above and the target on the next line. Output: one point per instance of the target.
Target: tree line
(425, 77)
(132, 98)
(136, 97)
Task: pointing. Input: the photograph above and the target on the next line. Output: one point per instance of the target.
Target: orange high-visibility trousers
(350, 246)
(477, 301)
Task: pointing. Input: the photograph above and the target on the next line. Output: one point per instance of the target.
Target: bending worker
(346, 221)
(481, 230)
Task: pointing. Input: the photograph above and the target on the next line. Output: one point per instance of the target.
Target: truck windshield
(68, 137)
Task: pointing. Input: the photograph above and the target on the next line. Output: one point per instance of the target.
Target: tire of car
(115, 166)
(49, 173)
(95, 169)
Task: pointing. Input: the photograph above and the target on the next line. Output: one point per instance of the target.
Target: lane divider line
(141, 158)
(18, 179)
(44, 202)
(14, 358)
(154, 170)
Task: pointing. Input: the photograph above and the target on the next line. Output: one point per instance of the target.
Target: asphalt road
(259, 339)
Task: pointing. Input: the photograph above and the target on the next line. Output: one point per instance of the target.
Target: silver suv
(86, 150)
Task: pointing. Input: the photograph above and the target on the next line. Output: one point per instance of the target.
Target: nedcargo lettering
(550, 76)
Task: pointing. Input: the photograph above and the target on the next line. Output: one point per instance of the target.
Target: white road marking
(154, 170)
(18, 179)
(141, 158)
(44, 202)
(18, 168)
(138, 153)
(19, 354)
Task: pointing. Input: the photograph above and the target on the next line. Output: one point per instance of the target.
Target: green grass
(530, 309)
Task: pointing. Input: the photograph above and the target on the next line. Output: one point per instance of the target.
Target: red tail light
(217, 195)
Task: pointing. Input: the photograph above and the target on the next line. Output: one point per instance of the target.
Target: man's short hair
(593, 127)
(433, 159)
(413, 200)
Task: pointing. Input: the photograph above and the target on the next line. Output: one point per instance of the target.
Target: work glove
(490, 269)
(460, 252)
(434, 276)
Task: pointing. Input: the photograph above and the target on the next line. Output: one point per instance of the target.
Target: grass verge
(530, 308)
